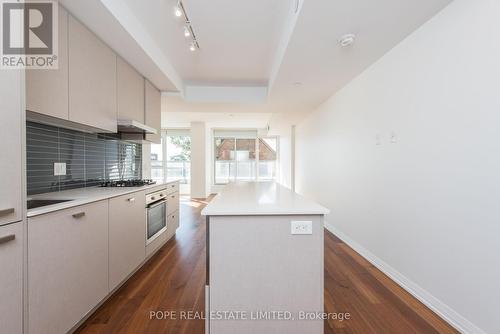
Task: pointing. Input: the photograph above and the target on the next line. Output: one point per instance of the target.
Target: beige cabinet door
(172, 203)
(11, 276)
(153, 111)
(130, 92)
(127, 236)
(47, 90)
(92, 79)
(10, 136)
(172, 224)
(67, 266)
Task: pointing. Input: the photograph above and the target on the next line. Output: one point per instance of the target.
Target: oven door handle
(155, 204)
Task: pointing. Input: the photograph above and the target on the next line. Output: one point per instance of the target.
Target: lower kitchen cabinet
(11, 276)
(67, 266)
(172, 224)
(127, 236)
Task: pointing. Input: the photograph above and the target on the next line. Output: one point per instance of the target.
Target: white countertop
(83, 196)
(260, 198)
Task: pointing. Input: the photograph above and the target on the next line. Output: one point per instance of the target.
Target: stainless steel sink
(36, 203)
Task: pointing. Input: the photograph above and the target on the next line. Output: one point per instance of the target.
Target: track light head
(178, 10)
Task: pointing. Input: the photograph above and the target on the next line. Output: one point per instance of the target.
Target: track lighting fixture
(179, 11)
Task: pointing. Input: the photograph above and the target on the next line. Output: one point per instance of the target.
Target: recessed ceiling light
(192, 47)
(347, 40)
(297, 84)
(187, 32)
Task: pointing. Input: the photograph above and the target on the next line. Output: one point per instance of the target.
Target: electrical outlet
(301, 227)
(59, 168)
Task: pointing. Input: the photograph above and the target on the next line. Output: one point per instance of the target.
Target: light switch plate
(394, 138)
(301, 227)
(59, 168)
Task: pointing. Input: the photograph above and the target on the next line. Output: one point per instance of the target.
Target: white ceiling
(237, 40)
(314, 57)
(258, 43)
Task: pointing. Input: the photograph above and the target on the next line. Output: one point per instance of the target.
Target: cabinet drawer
(11, 276)
(67, 266)
(172, 203)
(172, 187)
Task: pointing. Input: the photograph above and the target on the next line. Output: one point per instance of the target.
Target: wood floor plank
(174, 280)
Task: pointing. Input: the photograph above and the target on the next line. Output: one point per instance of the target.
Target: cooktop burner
(127, 183)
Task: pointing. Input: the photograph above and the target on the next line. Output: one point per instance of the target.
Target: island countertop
(260, 198)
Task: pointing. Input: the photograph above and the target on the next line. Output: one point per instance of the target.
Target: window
(179, 157)
(172, 158)
(268, 148)
(243, 157)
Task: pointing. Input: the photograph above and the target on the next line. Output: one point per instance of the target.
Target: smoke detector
(347, 40)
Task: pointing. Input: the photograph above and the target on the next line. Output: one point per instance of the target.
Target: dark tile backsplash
(90, 158)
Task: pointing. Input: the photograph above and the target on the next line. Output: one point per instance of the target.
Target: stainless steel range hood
(134, 127)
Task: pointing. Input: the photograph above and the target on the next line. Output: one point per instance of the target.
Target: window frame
(164, 167)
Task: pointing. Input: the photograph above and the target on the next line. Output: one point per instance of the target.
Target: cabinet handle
(153, 198)
(78, 215)
(131, 199)
(173, 196)
(161, 195)
(7, 238)
(6, 212)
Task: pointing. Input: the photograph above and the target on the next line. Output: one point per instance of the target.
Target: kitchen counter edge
(86, 196)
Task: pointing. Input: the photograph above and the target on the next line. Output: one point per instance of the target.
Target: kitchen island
(264, 261)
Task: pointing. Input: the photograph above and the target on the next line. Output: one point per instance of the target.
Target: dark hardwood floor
(173, 280)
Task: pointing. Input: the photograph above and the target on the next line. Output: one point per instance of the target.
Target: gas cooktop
(127, 183)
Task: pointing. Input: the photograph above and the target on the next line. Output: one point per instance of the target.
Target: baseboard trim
(444, 311)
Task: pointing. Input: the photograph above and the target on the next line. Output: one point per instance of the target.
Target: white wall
(198, 160)
(425, 208)
(285, 159)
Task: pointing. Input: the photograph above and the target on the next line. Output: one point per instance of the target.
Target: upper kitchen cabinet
(130, 92)
(153, 111)
(11, 138)
(47, 90)
(92, 79)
